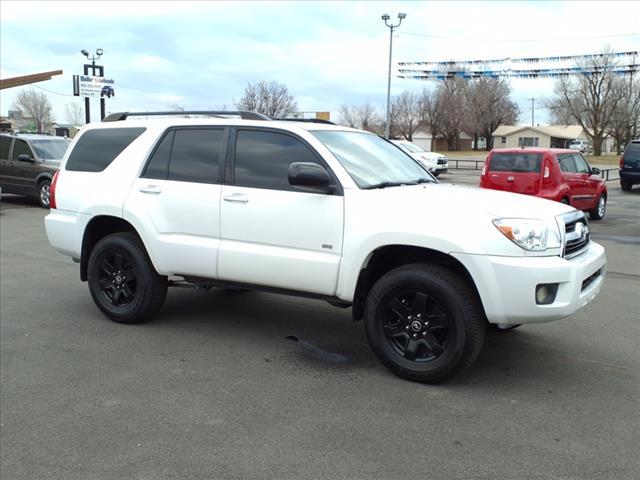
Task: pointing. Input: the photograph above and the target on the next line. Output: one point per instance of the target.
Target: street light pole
(392, 27)
(100, 71)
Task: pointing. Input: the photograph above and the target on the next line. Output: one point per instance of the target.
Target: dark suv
(630, 166)
(28, 162)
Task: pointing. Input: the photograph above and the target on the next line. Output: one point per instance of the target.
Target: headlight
(531, 234)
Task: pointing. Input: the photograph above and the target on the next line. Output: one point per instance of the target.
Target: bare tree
(269, 98)
(625, 120)
(591, 96)
(405, 115)
(363, 116)
(36, 107)
(74, 114)
(431, 113)
(452, 101)
(492, 107)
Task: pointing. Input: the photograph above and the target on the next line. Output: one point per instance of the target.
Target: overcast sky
(201, 55)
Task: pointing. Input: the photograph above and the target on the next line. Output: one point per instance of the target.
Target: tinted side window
(5, 143)
(581, 164)
(158, 166)
(20, 147)
(566, 163)
(263, 159)
(96, 149)
(196, 155)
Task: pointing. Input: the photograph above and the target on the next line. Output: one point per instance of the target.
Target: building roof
(558, 131)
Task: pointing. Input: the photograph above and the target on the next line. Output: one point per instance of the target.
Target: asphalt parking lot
(214, 389)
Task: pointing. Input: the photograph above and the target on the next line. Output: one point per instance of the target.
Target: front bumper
(507, 285)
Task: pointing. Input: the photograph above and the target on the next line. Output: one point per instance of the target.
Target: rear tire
(625, 185)
(600, 209)
(122, 280)
(424, 322)
(44, 193)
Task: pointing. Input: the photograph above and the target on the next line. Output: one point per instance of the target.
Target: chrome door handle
(151, 189)
(236, 197)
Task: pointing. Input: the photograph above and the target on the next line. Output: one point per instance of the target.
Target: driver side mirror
(23, 157)
(310, 177)
(595, 171)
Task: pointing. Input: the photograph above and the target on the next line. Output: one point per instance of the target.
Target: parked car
(435, 163)
(320, 211)
(554, 174)
(630, 165)
(27, 163)
(581, 145)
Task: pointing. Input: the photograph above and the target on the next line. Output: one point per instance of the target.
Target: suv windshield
(515, 162)
(371, 161)
(50, 149)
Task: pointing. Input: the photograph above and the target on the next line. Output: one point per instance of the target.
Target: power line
(51, 91)
(489, 40)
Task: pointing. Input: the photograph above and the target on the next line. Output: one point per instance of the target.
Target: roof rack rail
(243, 114)
(308, 120)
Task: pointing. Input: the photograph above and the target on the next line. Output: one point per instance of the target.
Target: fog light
(546, 293)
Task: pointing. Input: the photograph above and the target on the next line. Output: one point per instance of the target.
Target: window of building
(528, 141)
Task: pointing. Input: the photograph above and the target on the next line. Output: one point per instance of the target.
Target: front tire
(600, 209)
(122, 281)
(44, 193)
(424, 322)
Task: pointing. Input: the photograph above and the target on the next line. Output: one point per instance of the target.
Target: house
(424, 139)
(547, 136)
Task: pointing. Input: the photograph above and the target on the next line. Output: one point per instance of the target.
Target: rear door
(177, 197)
(272, 233)
(515, 172)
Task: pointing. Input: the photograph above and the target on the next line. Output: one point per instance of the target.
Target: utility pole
(533, 100)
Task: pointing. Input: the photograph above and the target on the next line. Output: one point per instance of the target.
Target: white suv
(321, 211)
(436, 163)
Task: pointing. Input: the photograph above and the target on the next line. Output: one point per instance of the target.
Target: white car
(436, 163)
(581, 145)
(321, 211)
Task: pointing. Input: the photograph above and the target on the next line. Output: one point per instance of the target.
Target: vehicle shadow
(12, 201)
(318, 336)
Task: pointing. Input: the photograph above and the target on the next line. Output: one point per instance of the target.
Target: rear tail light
(546, 171)
(484, 170)
(52, 190)
(622, 161)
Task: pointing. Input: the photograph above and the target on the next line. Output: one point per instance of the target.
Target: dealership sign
(88, 86)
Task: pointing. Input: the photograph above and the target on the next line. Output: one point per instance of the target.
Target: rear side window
(158, 166)
(263, 159)
(96, 149)
(515, 162)
(5, 143)
(196, 154)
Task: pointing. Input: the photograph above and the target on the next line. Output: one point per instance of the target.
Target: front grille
(577, 235)
(590, 279)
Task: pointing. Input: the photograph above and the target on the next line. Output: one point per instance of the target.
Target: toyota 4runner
(316, 210)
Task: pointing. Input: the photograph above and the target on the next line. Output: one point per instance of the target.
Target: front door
(573, 179)
(273, 234)
(178, 199)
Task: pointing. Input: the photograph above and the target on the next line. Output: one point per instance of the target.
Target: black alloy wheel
(118, 279)
(417, 327)
(424, 322)
(122, 280)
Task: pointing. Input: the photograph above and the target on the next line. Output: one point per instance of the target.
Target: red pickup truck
(551, 173)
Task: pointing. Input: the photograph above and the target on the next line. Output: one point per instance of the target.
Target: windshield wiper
(425, 180)
(388, 184)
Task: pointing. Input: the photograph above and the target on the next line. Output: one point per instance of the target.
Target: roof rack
(308, 120)
(243, 114)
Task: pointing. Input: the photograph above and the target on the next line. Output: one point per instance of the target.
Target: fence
(608, 174)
